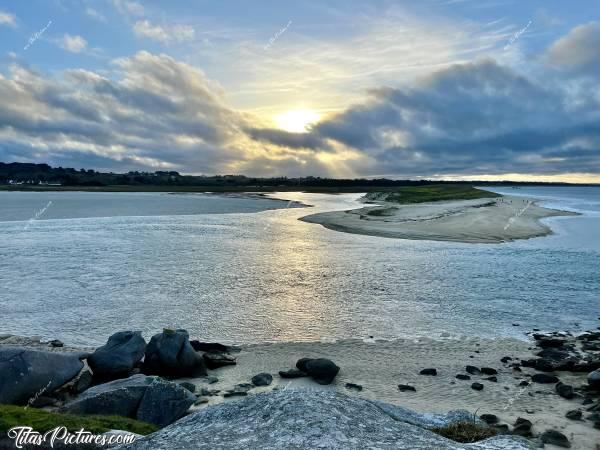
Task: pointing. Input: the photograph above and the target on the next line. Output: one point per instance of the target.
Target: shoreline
(486, 220)
(379, 366)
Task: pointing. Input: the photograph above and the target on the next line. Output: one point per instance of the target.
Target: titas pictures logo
(23, 436)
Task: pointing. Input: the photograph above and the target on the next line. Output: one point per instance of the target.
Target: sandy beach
(379, 366)
(486, 220)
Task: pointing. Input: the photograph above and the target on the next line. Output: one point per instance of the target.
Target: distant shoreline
(486, 220)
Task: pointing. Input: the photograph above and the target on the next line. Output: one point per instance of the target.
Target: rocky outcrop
(150, 399)
(26, 374)
(119, 355)
(170, 353)
(310, 419)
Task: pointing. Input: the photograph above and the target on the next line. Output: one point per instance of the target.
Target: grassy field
(41, 421)
(431, 193)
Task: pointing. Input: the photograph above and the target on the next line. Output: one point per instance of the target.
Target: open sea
(79, 266)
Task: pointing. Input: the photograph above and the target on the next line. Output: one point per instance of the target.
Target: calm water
(235, 270)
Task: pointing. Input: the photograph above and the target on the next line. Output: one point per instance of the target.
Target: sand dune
(488, 220)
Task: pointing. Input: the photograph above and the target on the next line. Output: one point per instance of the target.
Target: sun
(297, 120)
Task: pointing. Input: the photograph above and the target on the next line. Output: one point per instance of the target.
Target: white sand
(379, 366)
(474, 221)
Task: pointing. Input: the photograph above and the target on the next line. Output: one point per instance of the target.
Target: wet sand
(487, 220)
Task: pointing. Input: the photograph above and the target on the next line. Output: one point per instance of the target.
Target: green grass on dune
(431, 193)
(41, 421)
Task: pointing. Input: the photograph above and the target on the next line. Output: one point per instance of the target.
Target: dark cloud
(475, 118)
(578, 52)
(155, 113)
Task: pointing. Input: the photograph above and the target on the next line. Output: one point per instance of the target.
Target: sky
(440, 89)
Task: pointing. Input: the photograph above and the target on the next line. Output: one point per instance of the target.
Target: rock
(55, 343)
(473, 370)
(574, 414)
(121, 397)
(555, 438)
(550, 342)
(460, 376)
(322, 370)
(490, 419)
(292, 373)
(501, 428)
(505, 359)
(211, 347)
(593, 379)
(83, 382)
(307, 419)
(189, 386)
(119, 355)
(25, 373)
(201, 401)
(493, 379)
(262, 379)
(432, 372)
(522, 427)
(544, 379)
(209, 392)
(488, 371)
(215, 360)
(354, 386)
(477, 386)
(406, 387)
(164, 402)
(238, 390)
(170, 353)
(524, 383)
(211, 379)
(150, 399)
(565, 391)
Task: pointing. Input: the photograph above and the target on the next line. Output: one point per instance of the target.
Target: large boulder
(306, 419)
(119, 355)
(170, 353)
(121, 397)
(164, 402)
(147, 398)
(322, 370)
(26, 374)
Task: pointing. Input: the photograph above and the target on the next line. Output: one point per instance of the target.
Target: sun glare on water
(297, 120)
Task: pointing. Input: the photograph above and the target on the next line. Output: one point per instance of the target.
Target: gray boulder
(164, 402)
(302, 419)
(121, 397)
(593, 379)
(322, 370)
(170, 353)
(150, 399)
(25, 374)
(119, 355)
(262, 379)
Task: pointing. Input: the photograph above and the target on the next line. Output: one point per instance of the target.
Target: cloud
(129, 7)
(94, 14)
(7, 19)
(477, 117)
(578, 51)
(154, 112)
(73, 44)
(178, 33)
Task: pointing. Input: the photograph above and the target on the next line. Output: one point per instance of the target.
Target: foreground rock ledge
(305, 419)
